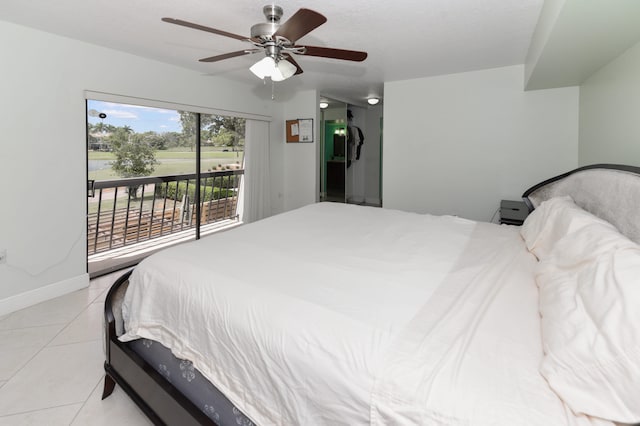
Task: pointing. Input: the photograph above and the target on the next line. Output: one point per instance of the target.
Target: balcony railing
(129, 211)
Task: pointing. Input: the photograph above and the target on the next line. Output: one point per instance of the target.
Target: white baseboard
(41, 294)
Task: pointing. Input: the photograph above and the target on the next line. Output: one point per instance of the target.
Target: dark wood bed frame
(160, 400)
(156, 397)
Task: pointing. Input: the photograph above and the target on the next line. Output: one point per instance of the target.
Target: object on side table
(513, 212)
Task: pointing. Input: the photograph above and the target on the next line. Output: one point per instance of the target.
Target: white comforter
(338, 314)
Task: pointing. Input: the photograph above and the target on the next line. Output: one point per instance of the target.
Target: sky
(140, 118)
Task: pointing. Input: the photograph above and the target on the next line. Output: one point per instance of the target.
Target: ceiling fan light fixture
(373, 100)
(277, 71)
(283, 70)
(264, 67)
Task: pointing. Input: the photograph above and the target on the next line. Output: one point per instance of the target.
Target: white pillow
(590, 308)
(551, 221)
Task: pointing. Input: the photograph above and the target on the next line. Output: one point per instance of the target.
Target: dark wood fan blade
(229, 55)
(290, 59)
(327, 52)
(301, 23)
(203, 28)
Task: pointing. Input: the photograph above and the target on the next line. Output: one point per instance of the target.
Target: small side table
(513, 212)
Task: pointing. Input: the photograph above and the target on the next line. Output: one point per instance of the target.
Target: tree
(172, 139)
(91, 140)
(223, 130)
(188, 120)
(102, 128)
(98, 132)
(155, 140)
(229, 131)
(134, 156)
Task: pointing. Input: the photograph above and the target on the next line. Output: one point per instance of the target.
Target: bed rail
(158, 399)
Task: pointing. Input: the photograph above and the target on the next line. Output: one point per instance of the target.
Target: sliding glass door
(157, 177)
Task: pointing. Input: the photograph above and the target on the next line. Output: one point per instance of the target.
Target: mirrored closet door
(351, 153)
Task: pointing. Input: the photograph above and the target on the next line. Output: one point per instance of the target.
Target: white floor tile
(86, 327)
(117, 409)
(102, 297)
(57, 375)
(58, 416)
(19, 346)
(60, 310)
(52, 360)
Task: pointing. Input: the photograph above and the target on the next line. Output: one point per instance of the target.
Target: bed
(342, 314)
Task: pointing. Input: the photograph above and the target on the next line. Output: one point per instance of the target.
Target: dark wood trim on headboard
(608, 191)
(621, 167)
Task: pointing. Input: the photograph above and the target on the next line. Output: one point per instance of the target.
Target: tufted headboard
(609, 191)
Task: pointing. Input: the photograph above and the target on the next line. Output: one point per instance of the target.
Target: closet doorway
(333, 167)
(351, 153)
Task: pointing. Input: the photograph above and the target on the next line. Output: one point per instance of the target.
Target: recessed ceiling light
(324, 105)
(373, 101)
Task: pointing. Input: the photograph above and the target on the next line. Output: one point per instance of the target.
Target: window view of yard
(143, 164)
(171, 161)
(133, 141)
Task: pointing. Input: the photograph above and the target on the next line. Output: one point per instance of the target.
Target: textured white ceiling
(405, 39)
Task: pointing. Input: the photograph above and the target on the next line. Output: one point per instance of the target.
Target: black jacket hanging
(354, 143)
(361, 137)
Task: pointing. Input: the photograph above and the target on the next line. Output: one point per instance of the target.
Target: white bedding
(338, 314)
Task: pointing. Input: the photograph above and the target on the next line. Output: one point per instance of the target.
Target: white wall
(300, 164)
(335, 112)
(43, 161)
(458, 144)
(610, 112)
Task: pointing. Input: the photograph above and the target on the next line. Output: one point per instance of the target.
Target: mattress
(340, 314)
(190, 382)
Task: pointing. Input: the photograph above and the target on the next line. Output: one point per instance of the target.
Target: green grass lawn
(165, 169)
(170, 162)
(168, 154)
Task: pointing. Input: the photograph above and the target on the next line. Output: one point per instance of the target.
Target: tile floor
(51, 358)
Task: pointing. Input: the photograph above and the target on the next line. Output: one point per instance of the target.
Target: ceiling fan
(278, 41)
